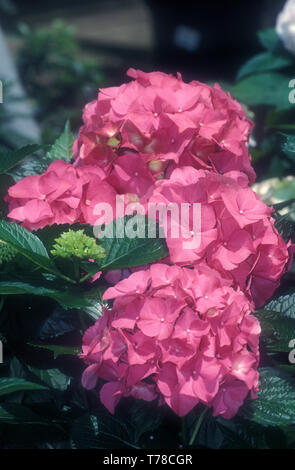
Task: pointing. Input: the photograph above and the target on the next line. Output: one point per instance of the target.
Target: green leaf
(54, 378)
(10, 385)
(277, 330)
(128, 252)
(13, 413)
(271, 41)
(141, 419)
(96, 431)
(34, 165)
(263, 62)
(288, 191)
(5, 182)
(19, 425)
(9, 160)
(275, 405)
(284, 305)
(93, 303)
(62, 149)
(67, 298)
(263, 89)
(58, 323)
(16, 288)
(29, 246)
(288, 146)
(20, 237)
(219, 433)
(277, 321)
(286, 227)
(58, 350)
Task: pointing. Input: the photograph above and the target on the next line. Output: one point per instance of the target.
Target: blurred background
(55, 55)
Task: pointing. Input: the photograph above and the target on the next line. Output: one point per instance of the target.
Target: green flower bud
(7, 252)
(76, 244)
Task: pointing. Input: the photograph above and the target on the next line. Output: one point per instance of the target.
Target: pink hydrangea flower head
(166, 124)
(161, 340)
(236, 233)
(62, 194)
(53, 197)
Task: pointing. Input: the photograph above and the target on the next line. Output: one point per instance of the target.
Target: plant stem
(198, 425)
(76, 269)
(84, 278)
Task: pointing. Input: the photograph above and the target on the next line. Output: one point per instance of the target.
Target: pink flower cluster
(133, 136)
(141, 131)
(181, 332)
(61, 195)
(182, 335)
(237, 233)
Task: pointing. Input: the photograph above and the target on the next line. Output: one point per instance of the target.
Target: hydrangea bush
(172, 329)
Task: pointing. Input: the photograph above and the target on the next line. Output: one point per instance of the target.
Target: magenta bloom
(63, 194)
(165, 123)
(237, 233)
(161, 340)
(52, 197)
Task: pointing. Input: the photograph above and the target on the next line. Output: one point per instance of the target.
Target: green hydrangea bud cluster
(7, 252)
(78, 245)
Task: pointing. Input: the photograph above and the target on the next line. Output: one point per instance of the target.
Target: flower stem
(198, 425)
